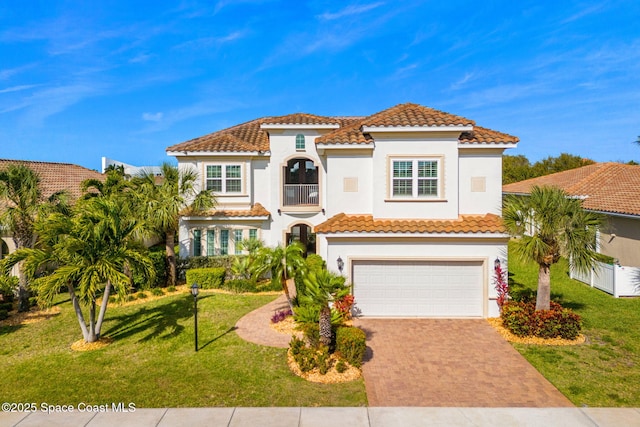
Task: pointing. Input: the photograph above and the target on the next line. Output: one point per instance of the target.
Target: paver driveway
(449, 362)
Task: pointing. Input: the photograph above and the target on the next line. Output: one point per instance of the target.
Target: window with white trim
(211, 242)
(197, 242)
(224, 178)
(237, 237)
(224, 242)
(300, 143)
(415, 178)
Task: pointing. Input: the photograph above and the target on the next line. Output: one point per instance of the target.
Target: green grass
(152, 361)
(606, 370)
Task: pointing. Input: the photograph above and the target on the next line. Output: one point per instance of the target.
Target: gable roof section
(251, 136)
(606, 187)
(343, 223)
(56, 177)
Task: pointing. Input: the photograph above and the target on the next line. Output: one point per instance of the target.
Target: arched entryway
(303, 233)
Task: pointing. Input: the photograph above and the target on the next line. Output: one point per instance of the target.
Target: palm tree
(21, 195)
(86, 253)
(321, 288)
(552, 224)
(165, 198)
(283, 262)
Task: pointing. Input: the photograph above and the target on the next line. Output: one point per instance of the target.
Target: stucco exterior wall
(480, 189)
(625, 245)
(349, 180)
(392, 146)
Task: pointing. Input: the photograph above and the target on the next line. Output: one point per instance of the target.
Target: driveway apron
(449, 362)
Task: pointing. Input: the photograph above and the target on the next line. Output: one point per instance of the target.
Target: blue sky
(80, 80)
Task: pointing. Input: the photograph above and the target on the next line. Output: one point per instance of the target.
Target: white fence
(619, 281)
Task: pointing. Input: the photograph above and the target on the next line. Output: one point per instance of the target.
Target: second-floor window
(299, 141)
(415, 178)
(224, 178)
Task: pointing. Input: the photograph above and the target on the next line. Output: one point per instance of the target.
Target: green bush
(268, 286)
(158, 259)
(171, 289)
(141, 295)
(341, 366)
(240, 285)
(311, 332)
(207, 278)
(190, 263)
(309, 358)
(8, 285)
(351, 344)
(8, 306)
(4, 314)
(522, 319)
(157, 292)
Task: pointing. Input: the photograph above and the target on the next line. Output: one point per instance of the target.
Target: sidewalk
(332, 417)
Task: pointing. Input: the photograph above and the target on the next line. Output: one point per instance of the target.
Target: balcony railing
(300, 195)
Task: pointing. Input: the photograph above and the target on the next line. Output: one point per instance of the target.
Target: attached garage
(419, 288)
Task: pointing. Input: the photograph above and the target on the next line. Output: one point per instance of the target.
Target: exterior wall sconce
(340, 264)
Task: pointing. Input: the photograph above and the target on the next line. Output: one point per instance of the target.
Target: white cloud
(349, 10)
(17, 88)
(152, 117)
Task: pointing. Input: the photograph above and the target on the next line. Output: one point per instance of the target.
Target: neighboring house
(54, 177)
(408, 198)
(129, 170)
(612, 189)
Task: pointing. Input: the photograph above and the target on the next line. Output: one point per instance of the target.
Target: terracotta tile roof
(301, 119)
(480, 135)
(343, 223)
(56, 177)
(243, 137)
(257, 210)
(608, 187)
(250, 137)
(414, 115)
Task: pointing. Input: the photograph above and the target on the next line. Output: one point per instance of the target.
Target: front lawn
(152, 362)
(606, 370)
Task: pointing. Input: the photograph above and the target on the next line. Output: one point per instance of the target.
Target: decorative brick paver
(449, 362)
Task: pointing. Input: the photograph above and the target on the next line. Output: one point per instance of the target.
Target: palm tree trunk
(78, 310)
(23, 290)
(171, 258)
(103, 308)
(325, 325)
(544, 288)
(285, 288)
(92, 323)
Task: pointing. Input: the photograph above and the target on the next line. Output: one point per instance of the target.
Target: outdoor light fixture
(194, 292)
(496, 263)
(340, 264)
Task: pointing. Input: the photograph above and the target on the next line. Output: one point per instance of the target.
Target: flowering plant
(502, 285)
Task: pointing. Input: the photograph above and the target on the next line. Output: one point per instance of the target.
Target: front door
(302, 233)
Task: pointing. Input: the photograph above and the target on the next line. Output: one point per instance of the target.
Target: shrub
(344, 305)
(185, 264)
(8, 306)
(207, 278)
(171, 289)
(341, 366)
(522, 319)
(8, 285)
(4, 314)
(268, 285)
(141, 295)
(157, 292)
(279, 315)
(351, 344)
(311, 332)
(309, 358)
(240, 285)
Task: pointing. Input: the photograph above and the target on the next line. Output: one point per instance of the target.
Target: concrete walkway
(332, 417)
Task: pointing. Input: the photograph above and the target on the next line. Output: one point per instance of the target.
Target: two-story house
(407, 200)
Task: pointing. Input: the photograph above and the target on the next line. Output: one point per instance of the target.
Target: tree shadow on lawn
(520, 291)
(160, 321)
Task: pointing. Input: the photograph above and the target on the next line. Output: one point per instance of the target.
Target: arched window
(299, 141)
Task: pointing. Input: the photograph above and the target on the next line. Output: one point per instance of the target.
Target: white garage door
(418, 288)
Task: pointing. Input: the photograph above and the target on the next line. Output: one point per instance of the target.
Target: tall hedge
(207, 278)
